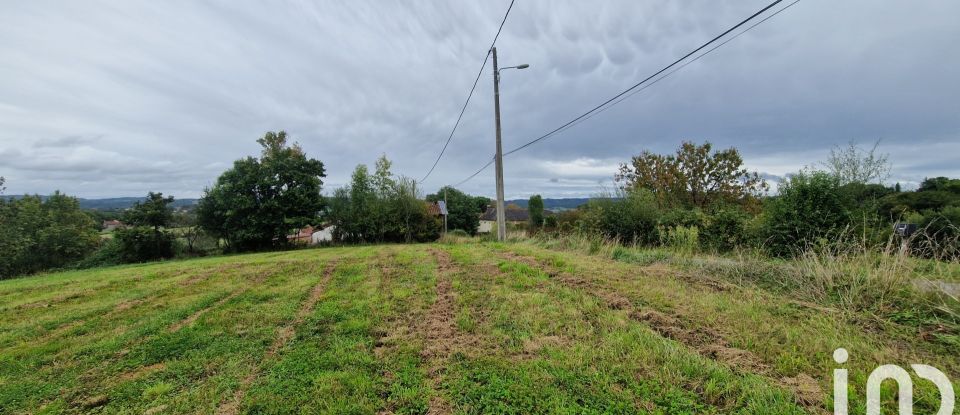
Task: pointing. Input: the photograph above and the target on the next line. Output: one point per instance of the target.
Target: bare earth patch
(440, 329)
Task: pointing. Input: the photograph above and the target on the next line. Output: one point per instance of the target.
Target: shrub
(810, 206)
(141, 244)
(682, 239)
(109, 253)
(940, 234)
(683, 217)
(725, 229)
(631, 219)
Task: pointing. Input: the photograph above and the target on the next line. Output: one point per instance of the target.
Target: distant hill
(554, 204)
(117, 203)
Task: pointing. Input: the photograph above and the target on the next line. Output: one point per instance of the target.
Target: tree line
(706, 199)
(252, 206)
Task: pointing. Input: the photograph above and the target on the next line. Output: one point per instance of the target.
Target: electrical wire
(470, 95)
(645, 80)
(667, 74)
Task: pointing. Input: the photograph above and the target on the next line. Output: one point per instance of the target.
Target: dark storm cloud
(118, 98)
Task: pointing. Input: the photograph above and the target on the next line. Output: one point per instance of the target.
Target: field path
(440, 330)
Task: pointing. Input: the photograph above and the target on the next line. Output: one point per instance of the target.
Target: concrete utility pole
(501, 214)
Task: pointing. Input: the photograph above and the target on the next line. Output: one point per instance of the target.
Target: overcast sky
(117, 98)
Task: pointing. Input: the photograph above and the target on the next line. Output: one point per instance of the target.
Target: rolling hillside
(434, 328)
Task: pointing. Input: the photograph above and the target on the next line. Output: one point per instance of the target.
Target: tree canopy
(255, 204)
(463, 210)
(852, 164)
(535, 206)
(693, 177)
(381, 208)
(38, 234)
(154, 212)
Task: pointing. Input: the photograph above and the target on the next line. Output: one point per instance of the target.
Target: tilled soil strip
(706, 341)
(440, 329)
(284, 335)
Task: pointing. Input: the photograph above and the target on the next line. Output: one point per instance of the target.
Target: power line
(645, 80)
(470, 95)
(492, 158)
(633, 89)
(674, 70)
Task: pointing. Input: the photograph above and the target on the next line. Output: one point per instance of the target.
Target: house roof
(302, 233)
(437, 208)
(512, 214)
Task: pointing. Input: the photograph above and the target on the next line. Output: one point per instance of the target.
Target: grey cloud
(118, 98)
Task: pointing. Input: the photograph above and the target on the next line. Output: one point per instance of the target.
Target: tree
(2, 187)
(940, 184)
(146, 240)
(380, 208)
(463, 210)
(693, 177)
(38, 234)
(852, 164)
(535, 207)
(154, 212)
(255, 204)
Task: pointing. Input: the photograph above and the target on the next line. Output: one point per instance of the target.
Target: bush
(141, 244)
(682, 239)
(939, 234)
(725, 229)
(811, 206)
(109, 253)
(683, 217)
(630, 219)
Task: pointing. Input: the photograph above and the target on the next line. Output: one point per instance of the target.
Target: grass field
(440, 328)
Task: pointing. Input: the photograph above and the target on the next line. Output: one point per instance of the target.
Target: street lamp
(501, 214)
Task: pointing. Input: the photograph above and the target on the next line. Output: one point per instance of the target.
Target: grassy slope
(409, 329)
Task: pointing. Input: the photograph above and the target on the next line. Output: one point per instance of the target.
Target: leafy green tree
(258, 202)
(154, 212)
(146, 239)
(940, 184)
(37, 234)
(463, 210)
(380, 207)
(693, 177)
(810, 206)
(535, 207)
(2, 187)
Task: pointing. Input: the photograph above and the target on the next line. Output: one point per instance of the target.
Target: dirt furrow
(439, 329)
(705, 340)
(284, 335)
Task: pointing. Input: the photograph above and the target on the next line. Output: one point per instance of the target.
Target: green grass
(461, 327)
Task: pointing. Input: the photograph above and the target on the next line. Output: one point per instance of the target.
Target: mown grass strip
(790, 340)
(564, 351)
(59, 371)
